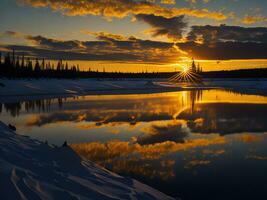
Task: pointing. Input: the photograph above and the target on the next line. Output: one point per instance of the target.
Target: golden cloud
(125, 156)
(105, 35)
(120, 8)
(213, 152)
(112, 149)
(167, 163)
(195, 163)
(253, 19)
(195, 1)
(168, 1)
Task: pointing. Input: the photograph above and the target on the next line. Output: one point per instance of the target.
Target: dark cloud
(98, 117)
(108, 47)
(69, 55)
(132, 43)
(226, 118)
(226, 50)
(161, 26)
(202, 42)
(12, 33)
(161, 133)
(54, 44)
(223, 33)
(226, 42)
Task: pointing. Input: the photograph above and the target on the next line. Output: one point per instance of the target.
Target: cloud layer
(120, 8)
(202, 42)
(224, 33)
(107, 47)
(226, 42)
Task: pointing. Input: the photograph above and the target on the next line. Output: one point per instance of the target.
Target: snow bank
(30, 169)
(76, 86)
(30, 89)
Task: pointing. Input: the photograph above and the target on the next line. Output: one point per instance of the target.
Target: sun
(185, 70)
(186, 74)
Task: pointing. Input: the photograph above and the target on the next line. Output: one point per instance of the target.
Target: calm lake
(199, 144)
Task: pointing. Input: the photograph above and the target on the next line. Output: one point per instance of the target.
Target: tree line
(15, 66)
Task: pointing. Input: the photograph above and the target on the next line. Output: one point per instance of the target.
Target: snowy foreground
(30, 169)
(32, 88)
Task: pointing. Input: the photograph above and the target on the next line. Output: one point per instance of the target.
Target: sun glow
(187, 74)
(185, 69)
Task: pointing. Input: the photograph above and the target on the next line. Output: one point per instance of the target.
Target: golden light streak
(186, 75)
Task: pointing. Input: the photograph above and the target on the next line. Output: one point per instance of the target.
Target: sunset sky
(132, 35)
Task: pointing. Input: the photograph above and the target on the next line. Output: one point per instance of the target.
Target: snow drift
(29, 89)
(30, 169)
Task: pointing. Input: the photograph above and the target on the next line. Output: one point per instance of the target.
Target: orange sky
(207, 65)
(135, 36)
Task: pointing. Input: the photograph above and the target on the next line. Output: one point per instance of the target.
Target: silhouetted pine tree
(7, 68)
(17, 72)
(43, 64)
(22, 62)
(37, 68)
(62, 67)
(13, 58)
(29, 67)
(193, 66)
(17, 62)
(1, 65)
(58, 66)
(49, 66)
(7, 59)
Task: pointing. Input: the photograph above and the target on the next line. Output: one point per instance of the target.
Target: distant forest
(13, 66)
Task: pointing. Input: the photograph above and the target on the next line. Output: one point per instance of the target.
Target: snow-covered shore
(30, 89)
(26, 89)
(79, 86)
(30, 169)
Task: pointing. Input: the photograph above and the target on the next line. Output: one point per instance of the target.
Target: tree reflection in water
(43, 105)
(185, 140)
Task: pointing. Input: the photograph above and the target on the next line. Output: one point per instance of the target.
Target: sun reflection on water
(169, 137)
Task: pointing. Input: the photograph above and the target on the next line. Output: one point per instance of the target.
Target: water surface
(208, 144)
